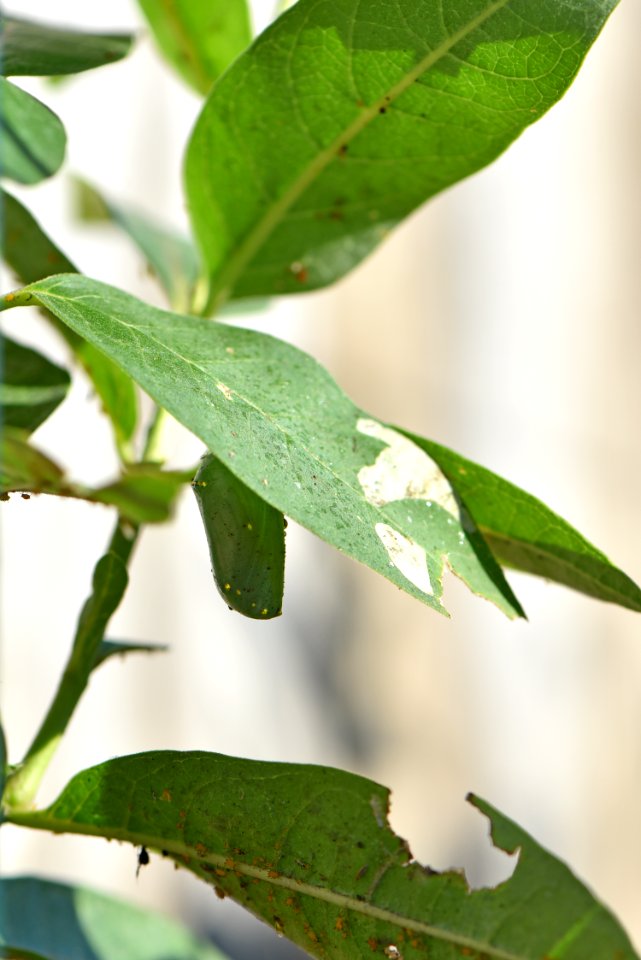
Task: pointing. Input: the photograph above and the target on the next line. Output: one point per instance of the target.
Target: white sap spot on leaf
(224, 389)
(406, 556)
(402, 471)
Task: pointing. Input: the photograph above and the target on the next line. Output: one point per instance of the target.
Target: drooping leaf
(120, 648)
(31, 254)
(144, 493)
(62, 922)
(279, 422)
(31, 387)
(31, 49)
(26, 248)
(23, 467)
(199, 38)
(32, 138)
(310, 851)
(246, 538)
(172, 258)
(525, 534)
(346, 115)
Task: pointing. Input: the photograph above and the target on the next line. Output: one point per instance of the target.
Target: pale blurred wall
(501, 321)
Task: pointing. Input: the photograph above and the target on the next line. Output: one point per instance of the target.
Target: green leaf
(199, 38)
(32, 256)
(346, 115)
(310, 851)
(171, 257)
(119, 648)
(526, 535)
(12, 953)
(279, 422)
(32, 138)
(246, 538)
(144, 493)
(26, 248)
(62, 922)
(35, 49)
(31, 386)
(24, 467)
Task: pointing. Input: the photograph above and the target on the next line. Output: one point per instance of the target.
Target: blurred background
(503, 321)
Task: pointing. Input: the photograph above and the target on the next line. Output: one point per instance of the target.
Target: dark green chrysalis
(246, 538)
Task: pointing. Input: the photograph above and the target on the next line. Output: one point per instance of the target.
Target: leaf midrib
(42, 821)
(245, 252)
(313, 456)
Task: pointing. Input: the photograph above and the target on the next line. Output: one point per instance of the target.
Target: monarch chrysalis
(246, 538)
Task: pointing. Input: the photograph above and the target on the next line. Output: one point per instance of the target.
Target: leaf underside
(309, 850)
(279, 422)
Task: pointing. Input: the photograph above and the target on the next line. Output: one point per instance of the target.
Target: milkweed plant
(313, 141)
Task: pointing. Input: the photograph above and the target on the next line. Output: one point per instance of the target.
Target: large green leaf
(32, 255)
(345, 115)
(279, 422)
(32, 138)
(526, 535)
(61, 922)
(34, 49)
(31, 387)
(199, 38)
(144, 493)
(171, 257)
(310, 851)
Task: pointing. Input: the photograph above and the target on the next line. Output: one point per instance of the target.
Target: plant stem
(23, 783)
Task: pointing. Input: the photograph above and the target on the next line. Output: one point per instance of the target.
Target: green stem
(109, 584)
(154, 440)
(108, 588)
(22, 784)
